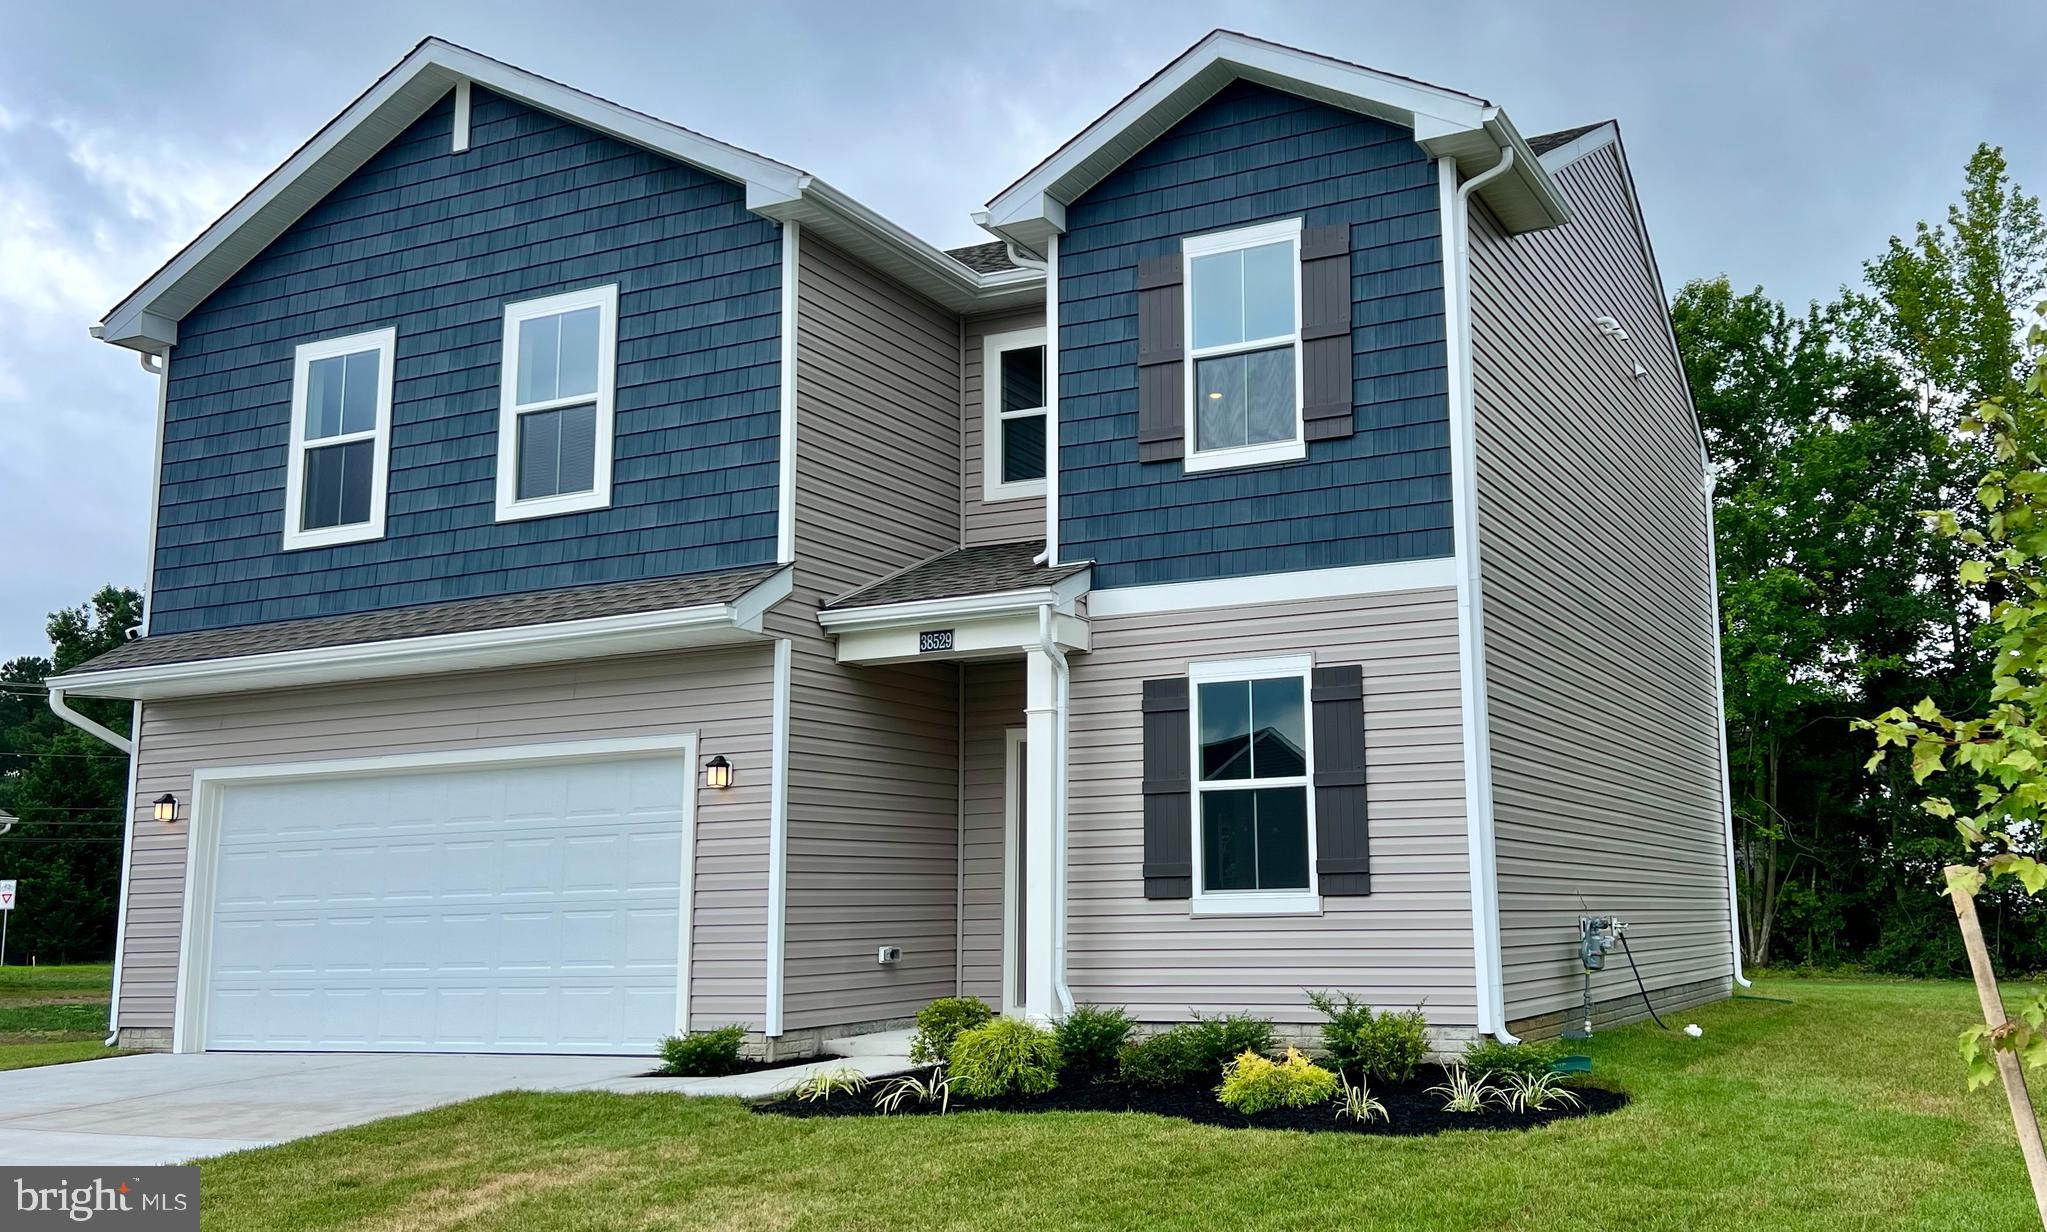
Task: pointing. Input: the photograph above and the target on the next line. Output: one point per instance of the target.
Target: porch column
(1042, 738)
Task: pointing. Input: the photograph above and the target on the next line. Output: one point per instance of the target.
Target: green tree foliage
(66, 789)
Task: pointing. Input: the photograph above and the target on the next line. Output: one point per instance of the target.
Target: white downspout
(1062, 677)
(63, 710)
(162, 371)
(1478, 771)
(1706, 485)
(1051, 555)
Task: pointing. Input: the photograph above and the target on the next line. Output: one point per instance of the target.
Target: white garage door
(498, 908)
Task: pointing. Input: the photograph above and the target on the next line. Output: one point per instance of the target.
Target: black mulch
(747, 1065)
(1413, 1110)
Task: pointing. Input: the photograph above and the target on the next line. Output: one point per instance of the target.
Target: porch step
(872, 1044)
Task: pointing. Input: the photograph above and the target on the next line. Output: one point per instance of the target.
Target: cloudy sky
(1780, 143)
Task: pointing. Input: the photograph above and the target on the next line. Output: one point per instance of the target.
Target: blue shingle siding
(1252, 155)
(435, 244)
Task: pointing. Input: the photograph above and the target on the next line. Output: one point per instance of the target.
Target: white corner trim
(785, 472)
(461, 125)
(1263, 588)
(1051, 400)
(710, 624)
(127, 861)
(202, 840)
(1472, 709)
(778, 841)
(384, 343)
(993, 486)
(510, 410)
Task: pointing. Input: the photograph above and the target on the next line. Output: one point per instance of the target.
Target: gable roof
(146, 319)
(1546, 142)
(1445, 123)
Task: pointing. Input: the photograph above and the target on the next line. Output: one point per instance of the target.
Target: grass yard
(50, 1015)
(1844, 1111)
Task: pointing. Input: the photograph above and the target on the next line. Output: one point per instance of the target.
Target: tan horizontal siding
(1599, 637)
(873, 855)
(1407, 942)
(721, 695)
(1006, 521)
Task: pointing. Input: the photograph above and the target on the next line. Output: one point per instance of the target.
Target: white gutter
(1062, 675)
(65, 712)
(1475, 716)
(1720, 692)
(1060, 595)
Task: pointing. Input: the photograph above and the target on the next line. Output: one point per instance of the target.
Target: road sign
(6, 896)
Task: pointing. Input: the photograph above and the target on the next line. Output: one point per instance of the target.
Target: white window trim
(993, 486)
(509, 506)
(385, 343)
(1289, 231)
(1204, 902)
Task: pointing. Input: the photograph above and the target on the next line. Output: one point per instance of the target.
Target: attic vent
(934, 639)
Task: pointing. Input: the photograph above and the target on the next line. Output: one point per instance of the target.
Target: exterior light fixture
(167, 808)
(718, 772)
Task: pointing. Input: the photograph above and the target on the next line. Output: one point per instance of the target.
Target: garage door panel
(420, 911)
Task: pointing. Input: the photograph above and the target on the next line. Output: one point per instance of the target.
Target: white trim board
(785, 460)
(710, 624)
(202, 840)
(511, 411)
(383, 343)
(994, 447)
(778, 841)
(1267, 588)
(1216, 243)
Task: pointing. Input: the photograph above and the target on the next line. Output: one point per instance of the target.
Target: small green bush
(940, 1022)
(1006, 1056)
(1223, 1039)
(1253, 1083)
(1169, 1059)
(1386, 1046)
(1090, 1040)
(702, 1054)
(1492, 1059)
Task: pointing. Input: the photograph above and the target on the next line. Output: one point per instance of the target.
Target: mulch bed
(747, 1065)
(1413, 1110)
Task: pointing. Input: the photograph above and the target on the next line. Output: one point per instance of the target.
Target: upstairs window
(1244, 343)
(1013, 445)
(340, 440)
(1253, 812)
(555, 404)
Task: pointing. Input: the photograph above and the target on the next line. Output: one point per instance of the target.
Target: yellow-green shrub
(1254, 1083)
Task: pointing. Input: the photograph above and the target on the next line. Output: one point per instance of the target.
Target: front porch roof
(979, 602)
(699, 609)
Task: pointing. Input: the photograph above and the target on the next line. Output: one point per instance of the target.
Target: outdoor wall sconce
(167, 808)
(718, 772)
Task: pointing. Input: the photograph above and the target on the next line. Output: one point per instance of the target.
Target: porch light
(167, 808)
(718, 772)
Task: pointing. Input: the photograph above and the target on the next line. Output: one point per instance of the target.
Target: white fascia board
(1267, 588)
(1578, 147)
(1060, 595)
(364, 127)
(1191, 80)
(711, 624)
(917, 263)
(1003, 636)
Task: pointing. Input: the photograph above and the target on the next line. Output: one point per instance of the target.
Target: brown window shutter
(1337, 695)
(1168, 791)
(1161, 354)
(1327, 412)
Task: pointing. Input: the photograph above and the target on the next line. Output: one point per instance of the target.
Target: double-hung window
(1254, 807)
(340, 440)
(555, 404)
(1244, 346)
(1013, 446)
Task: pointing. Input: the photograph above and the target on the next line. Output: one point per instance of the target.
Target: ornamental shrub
(702, 1054)
(1492, 1059)
(1386, 1046)
(1090, 1039)
(1223, 1039)
(1004, 1057)
(1253, 1083)
(1169, 1059)
(940, 1022)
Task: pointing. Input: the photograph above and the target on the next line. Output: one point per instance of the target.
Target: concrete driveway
(161, 1108)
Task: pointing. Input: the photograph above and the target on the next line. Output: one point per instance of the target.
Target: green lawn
(1844, 1111)
(49, 1015)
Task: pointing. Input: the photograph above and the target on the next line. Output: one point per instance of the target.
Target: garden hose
(1639, 984)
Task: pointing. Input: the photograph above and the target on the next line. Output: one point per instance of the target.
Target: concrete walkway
(160, 1108)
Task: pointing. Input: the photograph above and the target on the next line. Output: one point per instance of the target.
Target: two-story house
(603, 580)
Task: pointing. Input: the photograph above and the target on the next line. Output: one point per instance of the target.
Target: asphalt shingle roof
(1550, 141)
(990, 258)
(965, 571)
(426, 620)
